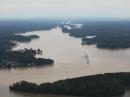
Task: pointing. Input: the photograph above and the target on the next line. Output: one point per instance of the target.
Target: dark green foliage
(21, 38)
(123, 78)
(26, 86)
(24, 57)
(34, 36)
(8, 31)
(41, 61)
(101, 85)
(108, 34)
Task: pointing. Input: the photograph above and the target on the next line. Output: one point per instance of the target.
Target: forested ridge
(9, 36)
(100, 85)
(108, 34)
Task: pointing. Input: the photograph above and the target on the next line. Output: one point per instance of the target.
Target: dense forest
(22, 58)
(9, 36)
(100, 85)
(108, 34)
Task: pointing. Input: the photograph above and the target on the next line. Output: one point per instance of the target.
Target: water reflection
(86, 57)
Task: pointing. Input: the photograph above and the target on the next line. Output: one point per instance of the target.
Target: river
(71, 60)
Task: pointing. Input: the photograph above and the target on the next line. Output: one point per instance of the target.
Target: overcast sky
(64, 8)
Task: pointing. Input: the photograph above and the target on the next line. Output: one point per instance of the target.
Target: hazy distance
(65, 8)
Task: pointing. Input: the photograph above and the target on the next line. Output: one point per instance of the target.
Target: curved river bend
(71, 60)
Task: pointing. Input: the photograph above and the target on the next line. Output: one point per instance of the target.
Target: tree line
(9, 36)
(108, 34)
(100, 85)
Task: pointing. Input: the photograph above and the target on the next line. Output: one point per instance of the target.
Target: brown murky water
(71, 60)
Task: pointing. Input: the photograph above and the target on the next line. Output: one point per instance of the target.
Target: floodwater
(71, 60)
